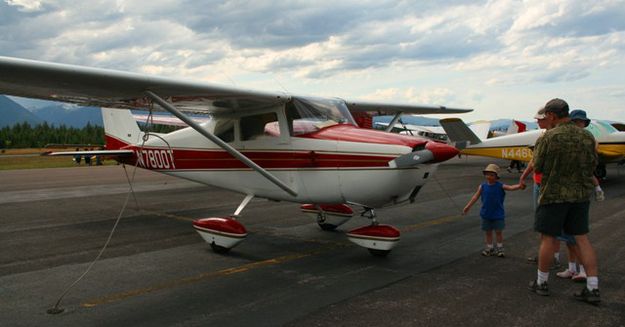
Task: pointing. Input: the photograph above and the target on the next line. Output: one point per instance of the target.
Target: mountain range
(36, 112)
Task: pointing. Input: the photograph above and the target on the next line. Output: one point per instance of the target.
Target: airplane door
(261, 141)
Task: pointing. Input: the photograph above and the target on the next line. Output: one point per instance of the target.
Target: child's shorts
(488, 224)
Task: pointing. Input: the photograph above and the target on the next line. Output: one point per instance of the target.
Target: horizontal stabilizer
(103, 153)
(458, 132)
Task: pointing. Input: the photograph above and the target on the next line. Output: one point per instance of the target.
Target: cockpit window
(307, 114)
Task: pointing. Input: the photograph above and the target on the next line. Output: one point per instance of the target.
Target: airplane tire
(219, 249)
(327, 227)
(379, 253)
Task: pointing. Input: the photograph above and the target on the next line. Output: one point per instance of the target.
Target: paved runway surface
(158, 272)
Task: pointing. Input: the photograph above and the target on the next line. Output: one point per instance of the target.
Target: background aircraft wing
(381, 108)
(115, 89)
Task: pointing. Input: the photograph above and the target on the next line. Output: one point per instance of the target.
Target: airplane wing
(381, 108)
(115, 89)
(480, 128)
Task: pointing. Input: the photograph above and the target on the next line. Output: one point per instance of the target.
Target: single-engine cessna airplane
(278, 146)
(611, 143)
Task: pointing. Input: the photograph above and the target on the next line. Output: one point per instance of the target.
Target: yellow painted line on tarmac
(116, 297)
(201, 277)
(422, 225)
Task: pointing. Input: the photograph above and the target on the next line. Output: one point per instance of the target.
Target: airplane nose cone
(441, 151)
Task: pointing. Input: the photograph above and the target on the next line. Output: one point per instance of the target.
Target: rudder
(120, 128)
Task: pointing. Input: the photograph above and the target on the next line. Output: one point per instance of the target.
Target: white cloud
(25, 5)
(455, 53)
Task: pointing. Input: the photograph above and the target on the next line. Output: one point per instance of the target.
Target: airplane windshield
(307, 114)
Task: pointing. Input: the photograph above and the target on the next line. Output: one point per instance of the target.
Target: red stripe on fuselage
(217, 159)
(184, 159)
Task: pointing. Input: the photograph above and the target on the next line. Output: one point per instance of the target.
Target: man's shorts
(555, 218)
(488, 224)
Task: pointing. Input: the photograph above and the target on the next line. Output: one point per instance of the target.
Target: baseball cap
(557, 106)
(540, 114)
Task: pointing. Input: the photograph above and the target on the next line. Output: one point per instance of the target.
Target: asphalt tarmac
(157, 271)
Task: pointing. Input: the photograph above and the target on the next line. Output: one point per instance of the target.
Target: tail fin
(120, 128)
(459, 133)
(516, 127)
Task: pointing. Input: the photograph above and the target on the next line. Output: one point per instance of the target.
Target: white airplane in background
(437, 133)
(611, 143)
(270, 145)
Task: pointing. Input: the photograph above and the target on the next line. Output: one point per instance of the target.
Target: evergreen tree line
(26, 136)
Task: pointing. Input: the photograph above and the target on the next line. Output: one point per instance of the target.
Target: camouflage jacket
(567, 158)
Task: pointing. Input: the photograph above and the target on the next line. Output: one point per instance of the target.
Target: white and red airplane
(277, 146)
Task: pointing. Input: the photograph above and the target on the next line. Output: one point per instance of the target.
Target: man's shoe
(540, 289)
(567, 274)
(488, 252)
(588, 296)
(579, 278)
(599, 195)
(499, 252)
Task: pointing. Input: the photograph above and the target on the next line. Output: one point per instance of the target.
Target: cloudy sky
(503, 58)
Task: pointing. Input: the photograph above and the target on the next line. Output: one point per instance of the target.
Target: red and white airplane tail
(120, 128)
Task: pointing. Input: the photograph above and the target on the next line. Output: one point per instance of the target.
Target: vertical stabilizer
(120, 128)
(459, 133)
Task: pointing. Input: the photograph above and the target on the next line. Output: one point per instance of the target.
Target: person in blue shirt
(492, 193)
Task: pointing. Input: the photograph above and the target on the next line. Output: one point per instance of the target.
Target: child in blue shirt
(492, 193)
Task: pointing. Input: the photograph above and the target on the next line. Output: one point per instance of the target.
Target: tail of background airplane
(459, 133)
(120, 128)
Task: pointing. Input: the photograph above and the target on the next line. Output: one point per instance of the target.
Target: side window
(225, 131)
(255, 126)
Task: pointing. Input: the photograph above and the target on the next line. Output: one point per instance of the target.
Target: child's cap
(492, 168)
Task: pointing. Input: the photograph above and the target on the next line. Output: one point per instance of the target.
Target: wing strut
(247, 161)
(393, 122)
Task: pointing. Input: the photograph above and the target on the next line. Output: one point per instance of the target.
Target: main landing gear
(223, 233)
(378, 239)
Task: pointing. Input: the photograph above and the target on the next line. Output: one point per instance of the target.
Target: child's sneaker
(499, 252)
(540, 289)
(488, 252)
(588, 296)
(567, 274)
(599, 195)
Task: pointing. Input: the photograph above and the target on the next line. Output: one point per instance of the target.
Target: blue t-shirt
(492, 201)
